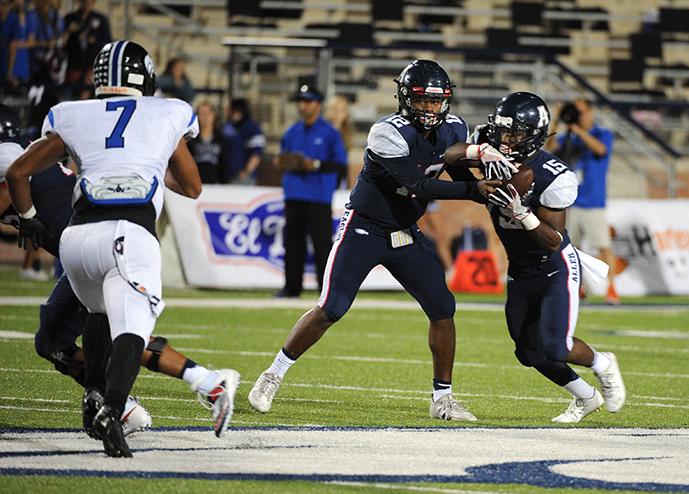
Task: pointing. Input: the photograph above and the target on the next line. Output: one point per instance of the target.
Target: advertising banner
(231, 237)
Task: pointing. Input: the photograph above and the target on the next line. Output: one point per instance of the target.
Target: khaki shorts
(588, 229)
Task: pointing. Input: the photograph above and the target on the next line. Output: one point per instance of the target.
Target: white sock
(193, 375)
(580, 389)
(439, 393)
(281, 364)
(600, 362)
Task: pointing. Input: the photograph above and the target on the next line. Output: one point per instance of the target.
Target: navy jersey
(555, 187)
(400, 171)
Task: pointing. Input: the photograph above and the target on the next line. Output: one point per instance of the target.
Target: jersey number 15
(116, 139)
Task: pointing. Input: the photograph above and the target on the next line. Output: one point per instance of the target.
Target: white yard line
(360, 303)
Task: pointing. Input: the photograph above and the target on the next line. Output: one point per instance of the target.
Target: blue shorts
(361, 245)
(542, 309)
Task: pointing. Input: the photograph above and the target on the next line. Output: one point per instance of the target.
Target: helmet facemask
(513, 138)
(424, 107)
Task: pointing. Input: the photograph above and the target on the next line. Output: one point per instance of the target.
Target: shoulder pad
(561, 192)
(385, 140)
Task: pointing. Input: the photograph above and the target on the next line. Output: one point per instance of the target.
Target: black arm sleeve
(461, 174)
(406, 173)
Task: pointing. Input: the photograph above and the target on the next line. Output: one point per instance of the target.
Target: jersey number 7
(116, 139)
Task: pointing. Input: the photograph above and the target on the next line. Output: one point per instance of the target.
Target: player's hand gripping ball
(521, 180)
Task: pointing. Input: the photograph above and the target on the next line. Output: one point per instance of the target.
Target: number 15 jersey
(123, 137)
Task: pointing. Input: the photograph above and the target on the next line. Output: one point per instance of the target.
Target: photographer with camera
(587, 147)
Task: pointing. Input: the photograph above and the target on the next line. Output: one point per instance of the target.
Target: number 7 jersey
(123, 137)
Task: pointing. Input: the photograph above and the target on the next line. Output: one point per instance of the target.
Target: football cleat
(612, 385)
(447, 408)
(135, 417)
(580, 408)
(220, 399)
(91, 404)
(107, 426)
(262, 394)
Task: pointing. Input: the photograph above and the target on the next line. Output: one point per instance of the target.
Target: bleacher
(633, 54)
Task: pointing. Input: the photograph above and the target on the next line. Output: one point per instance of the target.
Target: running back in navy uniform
(544, 272)
(403, 159)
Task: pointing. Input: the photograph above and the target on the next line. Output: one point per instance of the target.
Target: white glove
(497, 165)
(511, 201)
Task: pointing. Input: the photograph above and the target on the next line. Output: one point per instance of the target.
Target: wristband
(316, 164)
(531, 222)
(29, 214)
(473, 151)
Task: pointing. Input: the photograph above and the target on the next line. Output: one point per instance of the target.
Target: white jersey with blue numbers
(121, 143)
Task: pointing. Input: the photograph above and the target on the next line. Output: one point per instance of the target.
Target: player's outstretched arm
(40, 155)
(183, 177)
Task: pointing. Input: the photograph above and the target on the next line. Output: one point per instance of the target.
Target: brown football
(521, 180)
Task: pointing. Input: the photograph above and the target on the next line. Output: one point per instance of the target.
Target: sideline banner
(651, 242)
(231, 237)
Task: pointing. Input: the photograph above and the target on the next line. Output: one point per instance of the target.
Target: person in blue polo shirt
(588, 146)
(314, 160)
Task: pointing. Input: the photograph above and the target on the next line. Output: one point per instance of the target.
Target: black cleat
(108, 427)
(91, 403)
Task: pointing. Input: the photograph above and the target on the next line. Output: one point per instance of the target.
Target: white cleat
(220, 400)
(135, 417)
(262, 394)
(612, 385)
(447, 408)
(580, 408)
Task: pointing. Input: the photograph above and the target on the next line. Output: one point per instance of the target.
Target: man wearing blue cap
(314, 160)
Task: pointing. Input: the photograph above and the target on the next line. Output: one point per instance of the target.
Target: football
(521, 180)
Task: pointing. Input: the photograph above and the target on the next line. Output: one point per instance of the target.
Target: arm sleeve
(562, 191)
(51, 123)
(406, 173)
(188, 120)
(256, 141)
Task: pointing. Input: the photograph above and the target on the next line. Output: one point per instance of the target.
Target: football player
(403, 160)
(62, 316)
(122, 143)
(544, 270)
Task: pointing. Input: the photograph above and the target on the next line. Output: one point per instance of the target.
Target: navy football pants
(360, 246)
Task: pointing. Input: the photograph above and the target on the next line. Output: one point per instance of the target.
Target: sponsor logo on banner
(256, 233)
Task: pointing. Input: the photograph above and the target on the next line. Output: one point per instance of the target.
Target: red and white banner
(231, 237)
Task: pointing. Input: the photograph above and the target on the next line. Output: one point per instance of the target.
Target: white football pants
(114, 269)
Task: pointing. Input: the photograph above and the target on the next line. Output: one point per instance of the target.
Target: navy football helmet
(9, 124)
(519, 125)
(123, 68)
(421, 82)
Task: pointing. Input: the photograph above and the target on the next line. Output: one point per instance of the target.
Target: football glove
(31, 233)
(496, 164)
(509, 200)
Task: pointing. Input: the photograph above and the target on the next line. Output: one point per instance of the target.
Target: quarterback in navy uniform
(403, 159)
(544, 271)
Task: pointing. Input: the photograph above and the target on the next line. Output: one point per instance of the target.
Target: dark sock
(288, 355)
(97, 346)
(123, 367)
(438, 384)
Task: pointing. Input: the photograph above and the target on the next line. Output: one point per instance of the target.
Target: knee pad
(529, 357)
(155, 346)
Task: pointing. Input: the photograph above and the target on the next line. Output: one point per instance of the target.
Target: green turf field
(373, 369)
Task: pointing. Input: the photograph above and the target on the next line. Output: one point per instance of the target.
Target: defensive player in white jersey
(122, 142)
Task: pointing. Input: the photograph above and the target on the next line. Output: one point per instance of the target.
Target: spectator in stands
(587, 147)
(250, 143)
(314, 160)
(5, 37)
(86, 32)
(174, 81)
(337, 113)
(46, 55)
(19, 41)
(205, 148)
